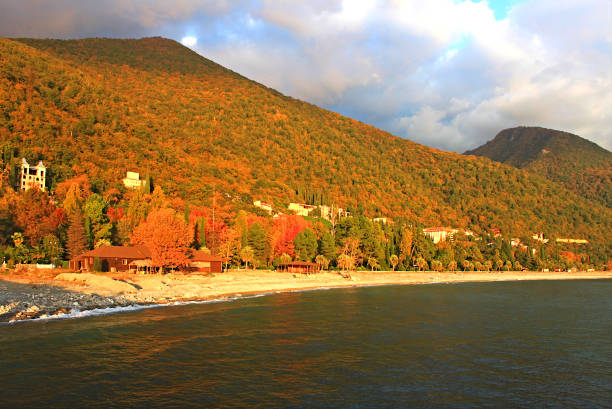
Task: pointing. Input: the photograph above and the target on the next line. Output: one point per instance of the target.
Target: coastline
(61, 294)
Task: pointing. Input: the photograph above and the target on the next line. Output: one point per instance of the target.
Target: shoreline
(59, 294)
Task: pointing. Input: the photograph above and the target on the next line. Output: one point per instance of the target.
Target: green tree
(95, 211)
(256, 239)
(52, 249)
(327, 246)
(305, 243)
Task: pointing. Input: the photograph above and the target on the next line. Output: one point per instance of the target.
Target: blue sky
(445, 73)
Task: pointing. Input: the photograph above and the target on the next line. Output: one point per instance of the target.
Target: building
(205, 262)
(264, 206)
(32, 175)
(383, 220)
(331, 212)
(540, 237)
(438, 234)
(301, 209)
(302, 267)
(572, 241)
(111, 258)
(132, 181)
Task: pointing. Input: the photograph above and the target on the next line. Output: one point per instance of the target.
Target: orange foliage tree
(166, 235)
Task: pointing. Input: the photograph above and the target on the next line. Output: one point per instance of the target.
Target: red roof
(130, 252)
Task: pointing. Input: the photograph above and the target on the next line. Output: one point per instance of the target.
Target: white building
(331, 212)
(438, 234)
(33, 175)
(264, 206)
(301, 209)
(132, 180)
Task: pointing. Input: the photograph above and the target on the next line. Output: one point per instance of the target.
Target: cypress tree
(76, 242)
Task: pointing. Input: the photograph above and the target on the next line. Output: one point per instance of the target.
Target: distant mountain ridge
(104, 106)
(578, 164)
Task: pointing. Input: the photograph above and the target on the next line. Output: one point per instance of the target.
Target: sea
(519, 344)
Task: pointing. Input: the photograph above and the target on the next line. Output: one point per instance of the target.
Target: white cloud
(442, 72)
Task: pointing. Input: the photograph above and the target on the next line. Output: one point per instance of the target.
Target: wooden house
(201, 261)
(111, 258)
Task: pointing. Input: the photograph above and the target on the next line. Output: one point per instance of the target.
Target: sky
(445, 73)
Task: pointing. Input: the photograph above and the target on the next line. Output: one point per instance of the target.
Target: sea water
(504, 344)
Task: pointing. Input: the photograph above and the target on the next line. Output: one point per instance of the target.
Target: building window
(124, 261)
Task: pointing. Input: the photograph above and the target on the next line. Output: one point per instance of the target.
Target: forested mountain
(580, 165)
(103, 106)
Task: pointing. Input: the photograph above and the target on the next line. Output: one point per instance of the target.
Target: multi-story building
(32, 175)
(264, 206)
(132, 180)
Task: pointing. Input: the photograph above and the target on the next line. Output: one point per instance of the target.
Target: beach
(31, 294)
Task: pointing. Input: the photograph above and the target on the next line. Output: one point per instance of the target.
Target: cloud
(445, 73)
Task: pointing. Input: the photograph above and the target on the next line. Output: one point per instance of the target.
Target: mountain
(106, 106)
(580, 165)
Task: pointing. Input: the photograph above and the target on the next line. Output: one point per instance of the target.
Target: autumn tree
(247, 255)
(95, 213)
(36, 216)
(393, 260)
(167, 237)
(322, 262)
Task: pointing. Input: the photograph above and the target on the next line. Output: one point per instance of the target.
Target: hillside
(101, 107)
(579, 165)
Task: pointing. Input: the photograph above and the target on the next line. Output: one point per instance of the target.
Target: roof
(133, 252)
(197, 255)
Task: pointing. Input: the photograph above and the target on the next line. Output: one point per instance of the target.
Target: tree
(436, 265)
(322, 262)
(167, 237)
(256, 239)
(95, 212)
(373, 263)
(52, 249)
(247, 255)
(284, 258)
(305, 245)
(327, 246)
(405, 246)
(346, 262)
(76, 242)
(488, 265)
(498, 263)
(421, 263)
(394, 260)
(452, 265)
(36, 216)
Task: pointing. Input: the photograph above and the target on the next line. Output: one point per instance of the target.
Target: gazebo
(302, 267)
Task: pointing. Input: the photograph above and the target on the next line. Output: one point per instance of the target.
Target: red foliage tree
(284, 229)
(36, 216)
(167, 236)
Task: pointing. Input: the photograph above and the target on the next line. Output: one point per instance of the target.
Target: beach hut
(302, 267)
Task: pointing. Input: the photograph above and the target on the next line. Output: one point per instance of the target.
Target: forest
(212, 141)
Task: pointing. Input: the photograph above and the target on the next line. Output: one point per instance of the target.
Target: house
(32, 175)
(301, 209)
(111, 258)
(572, 241)
(383, 220)
(132, 181)
(438, 234)
(540, 237)
(205, 262)
(264, 206)
(302, 267)
(332, 212)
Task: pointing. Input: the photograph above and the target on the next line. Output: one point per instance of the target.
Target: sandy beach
(38, 294)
